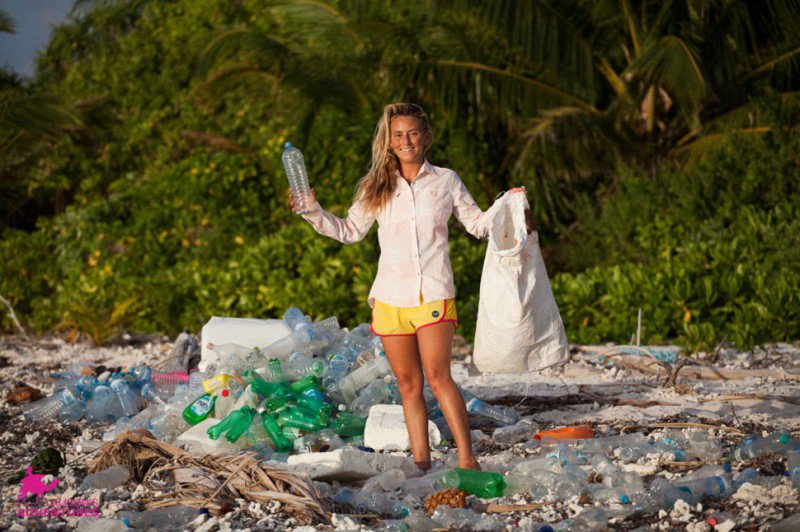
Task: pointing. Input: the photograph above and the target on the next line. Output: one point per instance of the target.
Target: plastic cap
(624, 499)
(225, 393)
(712, 521)
(288, 145)
(784, 438)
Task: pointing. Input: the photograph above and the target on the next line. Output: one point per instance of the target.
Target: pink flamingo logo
(33, 484)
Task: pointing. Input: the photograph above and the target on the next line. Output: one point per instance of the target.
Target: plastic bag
(519, 326)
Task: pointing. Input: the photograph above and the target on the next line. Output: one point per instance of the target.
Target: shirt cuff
(314, 215)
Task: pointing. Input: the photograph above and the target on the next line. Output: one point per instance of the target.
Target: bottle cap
(225, 393)
(288, 145)
(784, 438)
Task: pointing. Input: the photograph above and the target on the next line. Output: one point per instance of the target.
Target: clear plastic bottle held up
(295, 167)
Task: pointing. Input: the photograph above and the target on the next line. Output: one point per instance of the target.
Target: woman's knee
(409, 385)
(440, 381)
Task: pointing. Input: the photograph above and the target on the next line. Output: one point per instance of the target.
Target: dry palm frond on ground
(209, 481)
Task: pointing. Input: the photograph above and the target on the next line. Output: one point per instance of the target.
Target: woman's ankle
(424, 465)
(469, 462)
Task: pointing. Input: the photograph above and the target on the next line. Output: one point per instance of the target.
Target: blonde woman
(413, 296)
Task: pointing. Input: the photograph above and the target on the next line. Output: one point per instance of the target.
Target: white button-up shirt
(412, 232)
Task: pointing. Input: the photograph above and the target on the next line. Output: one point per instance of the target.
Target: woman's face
(409, 139)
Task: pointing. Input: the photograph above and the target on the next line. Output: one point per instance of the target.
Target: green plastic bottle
(269, 389)
(282, 443)
(303, 384)
(234, 425)
(312, 406)
(199, 409)
(275, 404)
(484, 484)
(348, 425)
(294, 417)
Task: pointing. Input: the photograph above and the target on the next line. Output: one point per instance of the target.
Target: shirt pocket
(435, 204)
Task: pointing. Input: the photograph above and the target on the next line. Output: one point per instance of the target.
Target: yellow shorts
(388, 320)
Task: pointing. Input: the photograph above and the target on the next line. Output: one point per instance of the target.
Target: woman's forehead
(406, 123)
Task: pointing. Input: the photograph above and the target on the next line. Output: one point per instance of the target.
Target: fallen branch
(646, 365)
(13, 316)
(630, 428)
(209, 480)
(505, 508)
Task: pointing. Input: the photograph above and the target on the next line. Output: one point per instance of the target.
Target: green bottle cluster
(288, 411)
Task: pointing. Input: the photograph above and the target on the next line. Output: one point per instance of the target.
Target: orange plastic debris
(576, 432)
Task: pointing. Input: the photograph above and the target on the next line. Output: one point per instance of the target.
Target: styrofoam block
(386, 429)
(196, 440)
(346, 464)
(247, 332)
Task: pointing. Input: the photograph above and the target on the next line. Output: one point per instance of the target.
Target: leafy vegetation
(656, 141)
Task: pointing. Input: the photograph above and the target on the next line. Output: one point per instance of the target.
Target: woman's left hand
(515, 190)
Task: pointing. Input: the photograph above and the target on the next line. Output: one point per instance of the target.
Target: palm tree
(29, 124)
(572, 88)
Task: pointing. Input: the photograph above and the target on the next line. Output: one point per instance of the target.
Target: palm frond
(671, 63)
(242, 44)
(696, 150)
(40, 114)
(574, 142)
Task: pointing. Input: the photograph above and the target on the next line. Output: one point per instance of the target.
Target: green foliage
(179, 198)
(708, 253)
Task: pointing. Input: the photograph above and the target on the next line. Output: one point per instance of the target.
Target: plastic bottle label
(201, 407)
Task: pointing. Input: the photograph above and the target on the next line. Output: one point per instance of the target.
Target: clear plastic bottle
(282, 349)
(523, 430)
(295, 167)
(150, 393)
(501, 416)
(299, 366)
(320, 441)
(377, 392)
(793, 468)
(779, 443)
(49, 406)
(125, 396)
(354, 381)
(98, 411)
(72, 412)
(295, 318)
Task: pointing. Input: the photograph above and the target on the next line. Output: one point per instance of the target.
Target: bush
(707, 253)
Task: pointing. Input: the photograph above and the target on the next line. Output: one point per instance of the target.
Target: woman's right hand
(310, 201)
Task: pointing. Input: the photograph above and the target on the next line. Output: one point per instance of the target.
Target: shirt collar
(426, 168)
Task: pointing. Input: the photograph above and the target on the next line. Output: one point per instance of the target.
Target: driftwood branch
(630, 428)
(13, 316)
(649, 365)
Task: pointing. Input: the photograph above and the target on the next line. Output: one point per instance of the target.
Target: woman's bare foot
(469, 462)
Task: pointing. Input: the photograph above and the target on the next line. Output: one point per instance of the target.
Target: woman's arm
(476, 221)
(347, 231)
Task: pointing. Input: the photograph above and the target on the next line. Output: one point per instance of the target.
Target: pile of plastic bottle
(312, 390)
(309, 391)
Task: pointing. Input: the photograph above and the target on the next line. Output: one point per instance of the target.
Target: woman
(414, 310)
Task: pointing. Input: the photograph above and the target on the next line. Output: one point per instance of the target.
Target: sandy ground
(602, 394)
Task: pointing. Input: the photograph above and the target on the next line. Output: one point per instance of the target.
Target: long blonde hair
(375, 188)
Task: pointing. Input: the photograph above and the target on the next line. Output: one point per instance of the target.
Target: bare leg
(403, 355)
(436, 352)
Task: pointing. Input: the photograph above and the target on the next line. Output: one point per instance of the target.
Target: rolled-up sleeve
(347, 231)
(476, 221)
